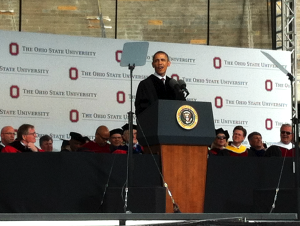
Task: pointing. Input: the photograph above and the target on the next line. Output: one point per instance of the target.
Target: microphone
(174, 84)
(182, 86)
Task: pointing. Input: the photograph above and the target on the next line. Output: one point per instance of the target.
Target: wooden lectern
(168, 128)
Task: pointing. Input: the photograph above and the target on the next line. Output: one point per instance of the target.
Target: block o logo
(14, 91)
(14, 49)
(175, 76)
(269, 124)
(268, 85)
(118, 55)
(74, 116)
(121, 97)
(217, 62)
(218, 102)
(73, 73)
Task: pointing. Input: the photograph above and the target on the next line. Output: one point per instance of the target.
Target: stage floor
(169, 219)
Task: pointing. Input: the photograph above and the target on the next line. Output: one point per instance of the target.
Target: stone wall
(237, 23)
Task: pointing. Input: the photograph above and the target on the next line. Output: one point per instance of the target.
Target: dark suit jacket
(151, 89)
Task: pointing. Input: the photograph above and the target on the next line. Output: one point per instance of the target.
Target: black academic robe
(151, 89)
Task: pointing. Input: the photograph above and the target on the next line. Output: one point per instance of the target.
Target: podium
(180, 132)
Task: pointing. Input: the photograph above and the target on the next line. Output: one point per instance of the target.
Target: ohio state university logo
(73, 73)
(74, 115)
(121, 98)
(14, 49)
(118, 55)
(175, 76)
(218, 102)
(269, 124)
(14, 92)
(268, 85)
(217, 62)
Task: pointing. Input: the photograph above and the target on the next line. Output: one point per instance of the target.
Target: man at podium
(157, 85)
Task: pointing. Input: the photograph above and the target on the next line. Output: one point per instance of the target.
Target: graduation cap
(225, 132)
(126, 127)
(116, 131)
(64, 143)
(77, 136)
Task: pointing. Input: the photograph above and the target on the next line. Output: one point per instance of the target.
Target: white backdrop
(64, 83)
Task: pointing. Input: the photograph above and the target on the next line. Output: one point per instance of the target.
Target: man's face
(126, 136)
(116, 139)
(238, 136)
(101, 138)
(286, 135)
(256, 142)
(7, 135)
(47, 145)
(30, 137)
(75, 144)
(160, 64)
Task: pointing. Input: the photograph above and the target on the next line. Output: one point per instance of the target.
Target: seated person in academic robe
(115, 139)
(156, 86)
(136, 148)
(26, 137)
(65, 146)
(75, 142)
(285, 147)
(235, 147)
(257, 148)
(219, 144)
(99, 145)
(46, 143)
(7, 136)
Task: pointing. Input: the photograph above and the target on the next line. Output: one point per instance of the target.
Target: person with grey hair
(26, 137)
(285, 147)
(257, 148)
(46, 143)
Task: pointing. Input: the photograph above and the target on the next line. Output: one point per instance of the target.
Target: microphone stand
(130, 145)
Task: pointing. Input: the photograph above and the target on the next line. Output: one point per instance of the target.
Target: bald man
(7, 136)
(26, 137)
(99, 145)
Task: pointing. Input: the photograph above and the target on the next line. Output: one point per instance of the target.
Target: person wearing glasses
(285, 147)
(257, 148)
(235, 147)
(219, 144)
(26, 137)
(7, 136)
(99, 145)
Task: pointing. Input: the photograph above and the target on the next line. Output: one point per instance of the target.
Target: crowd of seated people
(114, 141)
(221, 146)
(117, 141)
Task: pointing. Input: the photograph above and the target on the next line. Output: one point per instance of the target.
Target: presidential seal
(187, 117)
